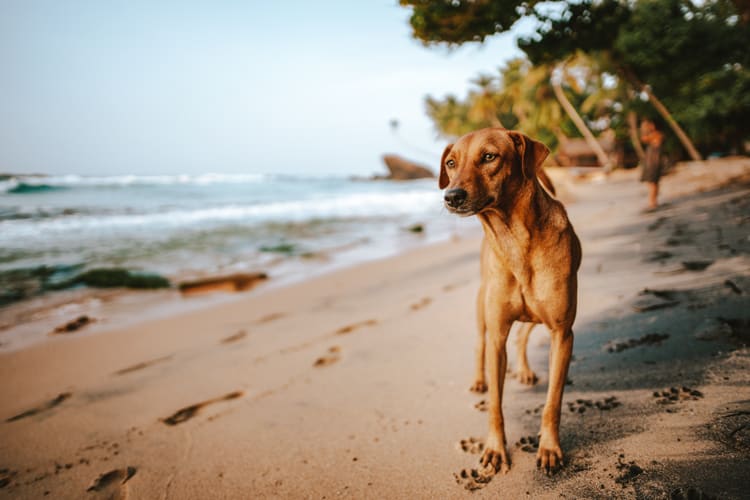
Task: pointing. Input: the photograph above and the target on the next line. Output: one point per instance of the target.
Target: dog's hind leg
(523, 371)
(480, 383)
(550, 456)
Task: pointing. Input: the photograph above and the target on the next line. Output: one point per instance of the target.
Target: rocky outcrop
(402, 169)
(232, 283)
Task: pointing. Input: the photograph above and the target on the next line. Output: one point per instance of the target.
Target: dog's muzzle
(454, 198)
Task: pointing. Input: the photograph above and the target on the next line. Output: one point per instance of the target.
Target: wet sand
(355, 383)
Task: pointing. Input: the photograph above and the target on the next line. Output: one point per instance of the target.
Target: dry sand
(354, 384)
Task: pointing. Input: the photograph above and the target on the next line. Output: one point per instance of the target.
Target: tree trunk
(633, 132)
(578, 121)
(681, 135)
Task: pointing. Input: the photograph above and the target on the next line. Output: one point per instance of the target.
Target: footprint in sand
(426, 301)
(471, 445)
(112, 484)
(529, 444)
(235, 337)
(474, 479)
(270, 317)
(333, 355)
(7, 476)
(41, 408)
(482, 405)
(535, 410)
(354, 326)
(582, 405)
(142, 365)
(185, 414)
(628, 471)
(674, 395)
(452, 286)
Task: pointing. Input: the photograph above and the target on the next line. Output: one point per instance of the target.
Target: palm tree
(484, 104)
(527, 94)
(556, 80)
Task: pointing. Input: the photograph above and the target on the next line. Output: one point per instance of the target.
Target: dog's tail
(545, 181)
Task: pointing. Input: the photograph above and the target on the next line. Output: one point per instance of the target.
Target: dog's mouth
(469, 209)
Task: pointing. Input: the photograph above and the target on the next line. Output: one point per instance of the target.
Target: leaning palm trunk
(633, 132)
(580, 125)
(681, 135)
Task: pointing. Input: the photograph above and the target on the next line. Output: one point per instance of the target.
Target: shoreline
(355, 383)
(113, 308)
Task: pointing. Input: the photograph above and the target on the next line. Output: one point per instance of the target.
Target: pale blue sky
(166, 87)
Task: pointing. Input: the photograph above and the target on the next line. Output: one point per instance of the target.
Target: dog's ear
(532, 153)
(443, 180)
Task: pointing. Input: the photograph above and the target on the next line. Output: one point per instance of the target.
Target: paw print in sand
(471, 445)
(674, 395)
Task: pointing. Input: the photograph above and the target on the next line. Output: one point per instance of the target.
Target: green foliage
(582, 26)
(696, 58)
(693, 55)
(520, 97)
(454, 22)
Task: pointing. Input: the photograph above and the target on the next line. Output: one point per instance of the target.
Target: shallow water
(186, 226)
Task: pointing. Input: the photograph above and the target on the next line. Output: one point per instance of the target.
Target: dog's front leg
(497, 333)
(550, 456)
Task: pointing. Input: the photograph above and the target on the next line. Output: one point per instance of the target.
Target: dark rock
(231, 283)
(75, 325)
(402, 169)
(113, 277)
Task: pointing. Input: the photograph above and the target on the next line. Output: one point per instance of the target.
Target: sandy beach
(355, 383)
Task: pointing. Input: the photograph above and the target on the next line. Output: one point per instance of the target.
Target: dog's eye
(450, 163)
(489, 156)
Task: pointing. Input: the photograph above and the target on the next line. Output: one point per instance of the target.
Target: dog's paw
(495, 458)
(479, 386)
(549, 459)
(527, 377)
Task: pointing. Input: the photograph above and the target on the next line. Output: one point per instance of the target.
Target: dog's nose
(455, 197)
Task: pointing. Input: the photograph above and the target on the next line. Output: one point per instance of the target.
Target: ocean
(192, 226)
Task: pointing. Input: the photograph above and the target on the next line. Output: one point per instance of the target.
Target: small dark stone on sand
(697, 265)
(74, 325)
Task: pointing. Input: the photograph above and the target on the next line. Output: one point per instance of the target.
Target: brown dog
(531, 258)
(524, 373)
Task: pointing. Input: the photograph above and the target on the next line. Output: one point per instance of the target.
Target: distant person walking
(651, 173)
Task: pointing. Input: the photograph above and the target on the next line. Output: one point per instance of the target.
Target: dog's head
(487, 168)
